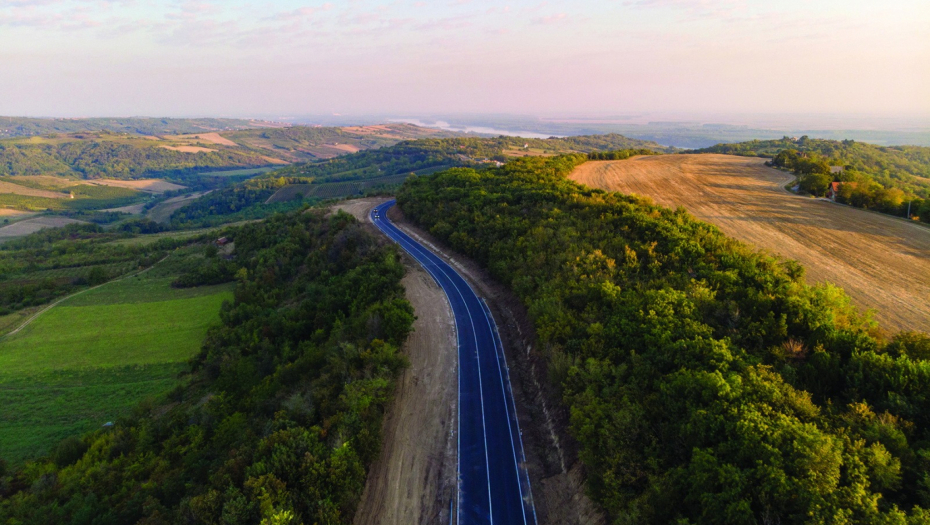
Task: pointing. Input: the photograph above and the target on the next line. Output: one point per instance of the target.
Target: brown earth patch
(16, 189)
(359, 208)
(162, 212)
(26, 227)
(134, 209)
(47, 182)
(272, 160)
(882, 262)
(344, 147)
(189, 149)
(14, 214)
(214, 138)
(146, 185)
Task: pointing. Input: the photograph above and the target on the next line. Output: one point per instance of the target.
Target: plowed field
(882, 262)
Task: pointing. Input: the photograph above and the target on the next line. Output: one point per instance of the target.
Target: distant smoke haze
(830, 61)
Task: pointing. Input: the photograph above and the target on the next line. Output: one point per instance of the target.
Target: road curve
(494, 486)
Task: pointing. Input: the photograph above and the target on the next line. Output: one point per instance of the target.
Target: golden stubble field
(883, 263)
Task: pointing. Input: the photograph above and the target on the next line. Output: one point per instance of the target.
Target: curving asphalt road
(494, 486)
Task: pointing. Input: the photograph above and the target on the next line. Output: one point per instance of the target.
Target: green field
(95, 356)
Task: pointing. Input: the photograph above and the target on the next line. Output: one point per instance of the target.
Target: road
(493, 484)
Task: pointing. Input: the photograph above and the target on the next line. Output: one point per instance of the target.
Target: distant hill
(382, 169)
(117, 156)
(303, 143)
(27, 127)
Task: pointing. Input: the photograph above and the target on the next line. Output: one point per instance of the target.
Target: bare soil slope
(883, 263)
(146, 185)
(414, 478)
(16, 189)
(29, 226)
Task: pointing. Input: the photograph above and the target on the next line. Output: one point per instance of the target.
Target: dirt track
(413, 479)
(883, 263)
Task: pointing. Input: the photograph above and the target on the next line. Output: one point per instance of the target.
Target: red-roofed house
(834, 189)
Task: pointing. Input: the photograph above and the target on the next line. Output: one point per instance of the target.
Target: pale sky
(291, 57)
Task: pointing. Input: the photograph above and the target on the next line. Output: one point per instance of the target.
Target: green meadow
(92, 358)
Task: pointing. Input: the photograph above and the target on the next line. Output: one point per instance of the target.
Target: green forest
(114, 157)
(889, 179)
(706, 382)
(281, 412)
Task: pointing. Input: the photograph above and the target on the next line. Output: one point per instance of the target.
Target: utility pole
(909, 209)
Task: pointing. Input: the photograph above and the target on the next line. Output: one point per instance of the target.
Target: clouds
(301, 56)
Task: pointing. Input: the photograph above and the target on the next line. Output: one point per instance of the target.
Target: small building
(222, 241)
(836, 169)
(834, 189)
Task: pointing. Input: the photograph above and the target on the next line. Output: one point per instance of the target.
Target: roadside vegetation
(893, 180)
(278, 416)
(707, 383)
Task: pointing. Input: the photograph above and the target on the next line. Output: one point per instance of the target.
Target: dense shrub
(282, 413)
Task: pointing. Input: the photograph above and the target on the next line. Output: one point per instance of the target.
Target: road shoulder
(413, 480)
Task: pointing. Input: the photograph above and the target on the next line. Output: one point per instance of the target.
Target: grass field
(882, 262)
(93, 357)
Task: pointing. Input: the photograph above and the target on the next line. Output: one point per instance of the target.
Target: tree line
(706, 382)
(889, 179)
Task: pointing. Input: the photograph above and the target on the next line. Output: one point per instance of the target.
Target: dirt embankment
(882, 262)
(556, 473)
(413, 480)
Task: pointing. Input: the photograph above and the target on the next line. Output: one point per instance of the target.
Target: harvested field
(10, 213)
(43, 182)
(344, 147)
(882, 262)
(414, 478)
(16, 189)
(146, 185)
(28, 226)
(135, 209)
(162, 212)
(189, 149)
(272, 160)
(214, 138)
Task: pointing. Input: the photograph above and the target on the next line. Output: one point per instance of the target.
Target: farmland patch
(882, 262)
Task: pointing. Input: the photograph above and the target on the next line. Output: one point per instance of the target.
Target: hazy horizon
(69, 58)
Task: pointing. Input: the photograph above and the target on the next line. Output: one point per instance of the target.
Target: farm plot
(90, 359)
(28, 226)
(146, 185)
(882, 262)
